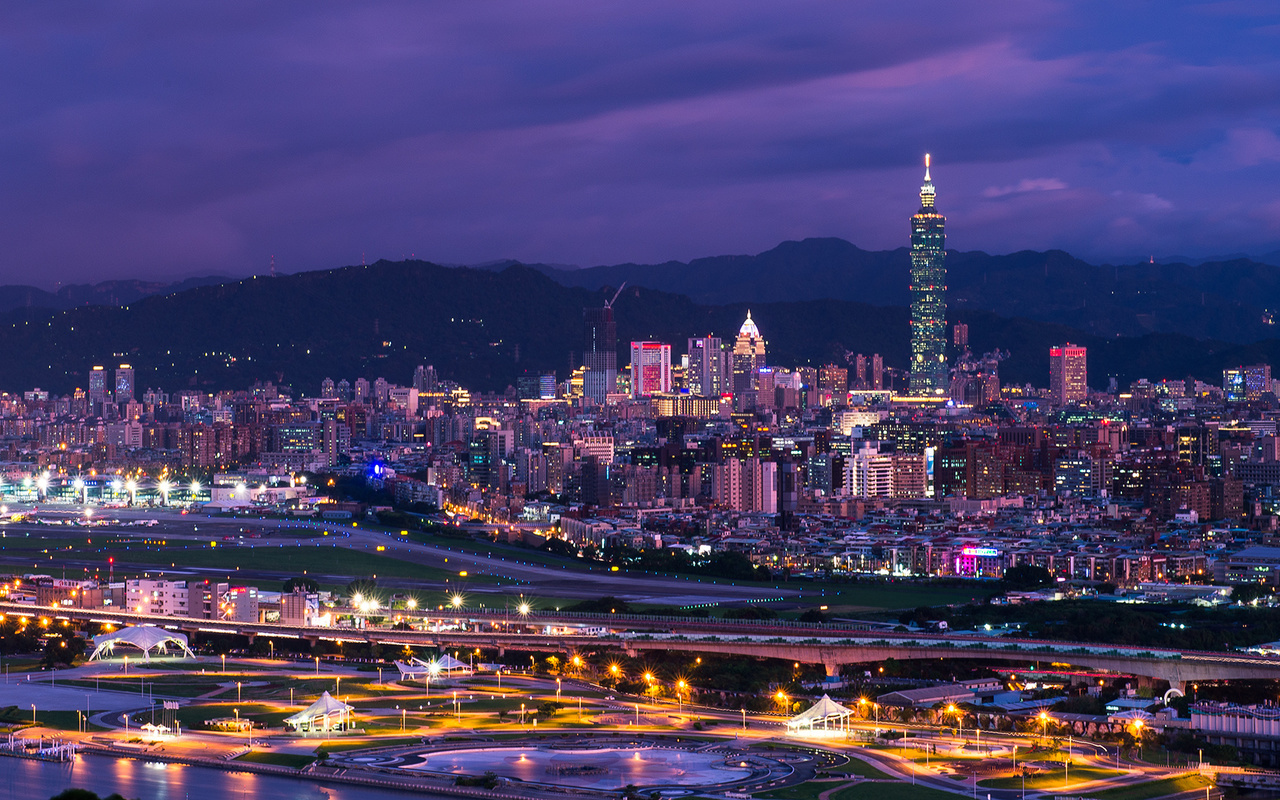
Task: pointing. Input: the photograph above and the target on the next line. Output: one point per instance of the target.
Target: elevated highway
(811, 643)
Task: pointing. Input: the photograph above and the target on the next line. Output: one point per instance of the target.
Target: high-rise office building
(928, 294)
(600, 353)
(960, 332)
(834, 380)
(705, 375)
(327, 390)
(748, 356)
(124, 383)
(424, 378)
(1068, 373)
(650, 368)
(1240, 383)
(877, 371)
(98, 385)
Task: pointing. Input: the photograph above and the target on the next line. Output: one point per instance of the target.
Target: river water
(21, 779)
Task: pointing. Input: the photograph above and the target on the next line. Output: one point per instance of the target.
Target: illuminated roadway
(828, 645)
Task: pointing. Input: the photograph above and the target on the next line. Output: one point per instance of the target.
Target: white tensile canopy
(325, 714)
(144, 637)
(416, 668)
(821, 716)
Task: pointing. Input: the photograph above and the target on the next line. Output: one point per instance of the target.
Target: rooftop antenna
(615, 295)
(926, 167)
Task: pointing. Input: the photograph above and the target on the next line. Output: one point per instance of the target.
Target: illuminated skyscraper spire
(928, 294)
(927, 191)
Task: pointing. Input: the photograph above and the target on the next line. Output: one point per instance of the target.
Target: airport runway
(509, 565)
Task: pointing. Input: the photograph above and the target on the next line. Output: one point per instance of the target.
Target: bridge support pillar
(833, 670)
(312, 640)
(251, 636)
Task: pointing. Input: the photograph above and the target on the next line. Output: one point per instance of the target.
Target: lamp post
(1044, 726)
(1066, 767)
(959, 717)
(680, 687)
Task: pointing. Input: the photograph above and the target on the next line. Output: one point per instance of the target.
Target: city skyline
(323, 470)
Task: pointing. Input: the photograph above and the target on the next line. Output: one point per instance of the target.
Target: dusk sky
(148, 139)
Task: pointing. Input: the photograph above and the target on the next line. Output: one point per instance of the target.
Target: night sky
(150, 139)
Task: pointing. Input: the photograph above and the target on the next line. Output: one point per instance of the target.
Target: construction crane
(615, 295)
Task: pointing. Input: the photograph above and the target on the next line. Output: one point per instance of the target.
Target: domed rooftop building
(748, 356)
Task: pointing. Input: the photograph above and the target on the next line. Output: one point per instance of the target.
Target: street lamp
(1044, 725)
(875, 707)
(680, 687)
(959, 716)
(781, 698)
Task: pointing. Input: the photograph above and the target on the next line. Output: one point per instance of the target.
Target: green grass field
(58, 720)
(809, 790)
(1052, 779)
(890, 791)
(347, 746)
(1149, 789)
(293, 760)
(857, 766)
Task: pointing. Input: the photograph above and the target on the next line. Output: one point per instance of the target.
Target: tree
(1027, 576)
(559, 547)
(604, 605)
(364, 586)
(84, 794)
(303, 583)
(63, 649)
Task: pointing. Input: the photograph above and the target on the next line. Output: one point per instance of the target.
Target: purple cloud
(157, 139)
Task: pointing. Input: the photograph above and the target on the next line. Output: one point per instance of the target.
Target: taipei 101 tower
(928, 295)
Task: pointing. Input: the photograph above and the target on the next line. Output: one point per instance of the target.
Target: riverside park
(453, 725)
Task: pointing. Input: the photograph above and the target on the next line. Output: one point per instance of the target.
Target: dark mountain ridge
(483, 328)
(105, 293)
(1227, 300)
